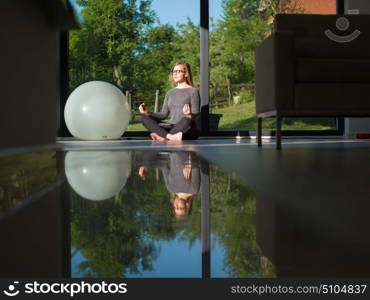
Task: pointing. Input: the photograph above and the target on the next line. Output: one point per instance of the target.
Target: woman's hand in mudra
(142, 172)
(186, 110)
(186, 171)
(142, 109)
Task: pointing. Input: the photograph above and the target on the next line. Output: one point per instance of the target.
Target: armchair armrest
(275, 73)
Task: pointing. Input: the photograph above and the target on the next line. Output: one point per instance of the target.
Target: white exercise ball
(97, 110)
(97, 175)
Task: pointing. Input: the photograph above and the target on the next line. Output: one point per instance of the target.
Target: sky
(173, 11)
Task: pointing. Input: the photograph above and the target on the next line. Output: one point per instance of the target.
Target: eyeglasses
(178, 71)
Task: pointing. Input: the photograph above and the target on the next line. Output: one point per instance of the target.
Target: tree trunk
(229, 90)
(128, 99)
(118, 76)
(156, 101)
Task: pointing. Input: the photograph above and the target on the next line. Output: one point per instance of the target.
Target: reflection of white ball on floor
(97, 110)
(97, 175)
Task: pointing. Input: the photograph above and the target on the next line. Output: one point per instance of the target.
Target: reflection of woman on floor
(180, 103)
(181, 175)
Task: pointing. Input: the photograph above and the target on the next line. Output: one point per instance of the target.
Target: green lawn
(136, 126)
(243, 117)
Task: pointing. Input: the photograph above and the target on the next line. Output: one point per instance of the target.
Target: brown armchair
(313, 65)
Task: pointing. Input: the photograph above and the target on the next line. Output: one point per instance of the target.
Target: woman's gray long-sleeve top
(174, 102)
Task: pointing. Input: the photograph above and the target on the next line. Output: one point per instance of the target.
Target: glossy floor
(204, 209)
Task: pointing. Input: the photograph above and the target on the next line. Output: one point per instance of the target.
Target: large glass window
(237, 28)
(133, 45)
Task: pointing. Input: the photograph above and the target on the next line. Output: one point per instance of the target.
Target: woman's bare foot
(156, 137)
(174, 137)
(152, 135)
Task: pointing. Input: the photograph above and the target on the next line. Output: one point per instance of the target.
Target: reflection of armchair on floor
(313, 66)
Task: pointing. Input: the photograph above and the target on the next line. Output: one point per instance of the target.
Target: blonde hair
(189, 78)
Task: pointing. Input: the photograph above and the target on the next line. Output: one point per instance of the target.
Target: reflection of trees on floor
(23, 175)
(117, 236)
(120, 236)
(233, 207)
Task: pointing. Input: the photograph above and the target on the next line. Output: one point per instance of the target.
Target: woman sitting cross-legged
(181, 103)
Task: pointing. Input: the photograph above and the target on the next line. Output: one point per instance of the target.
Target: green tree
(270, 8)
(110, 41)
(188, 47)
(243, 29)
(155, 62)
